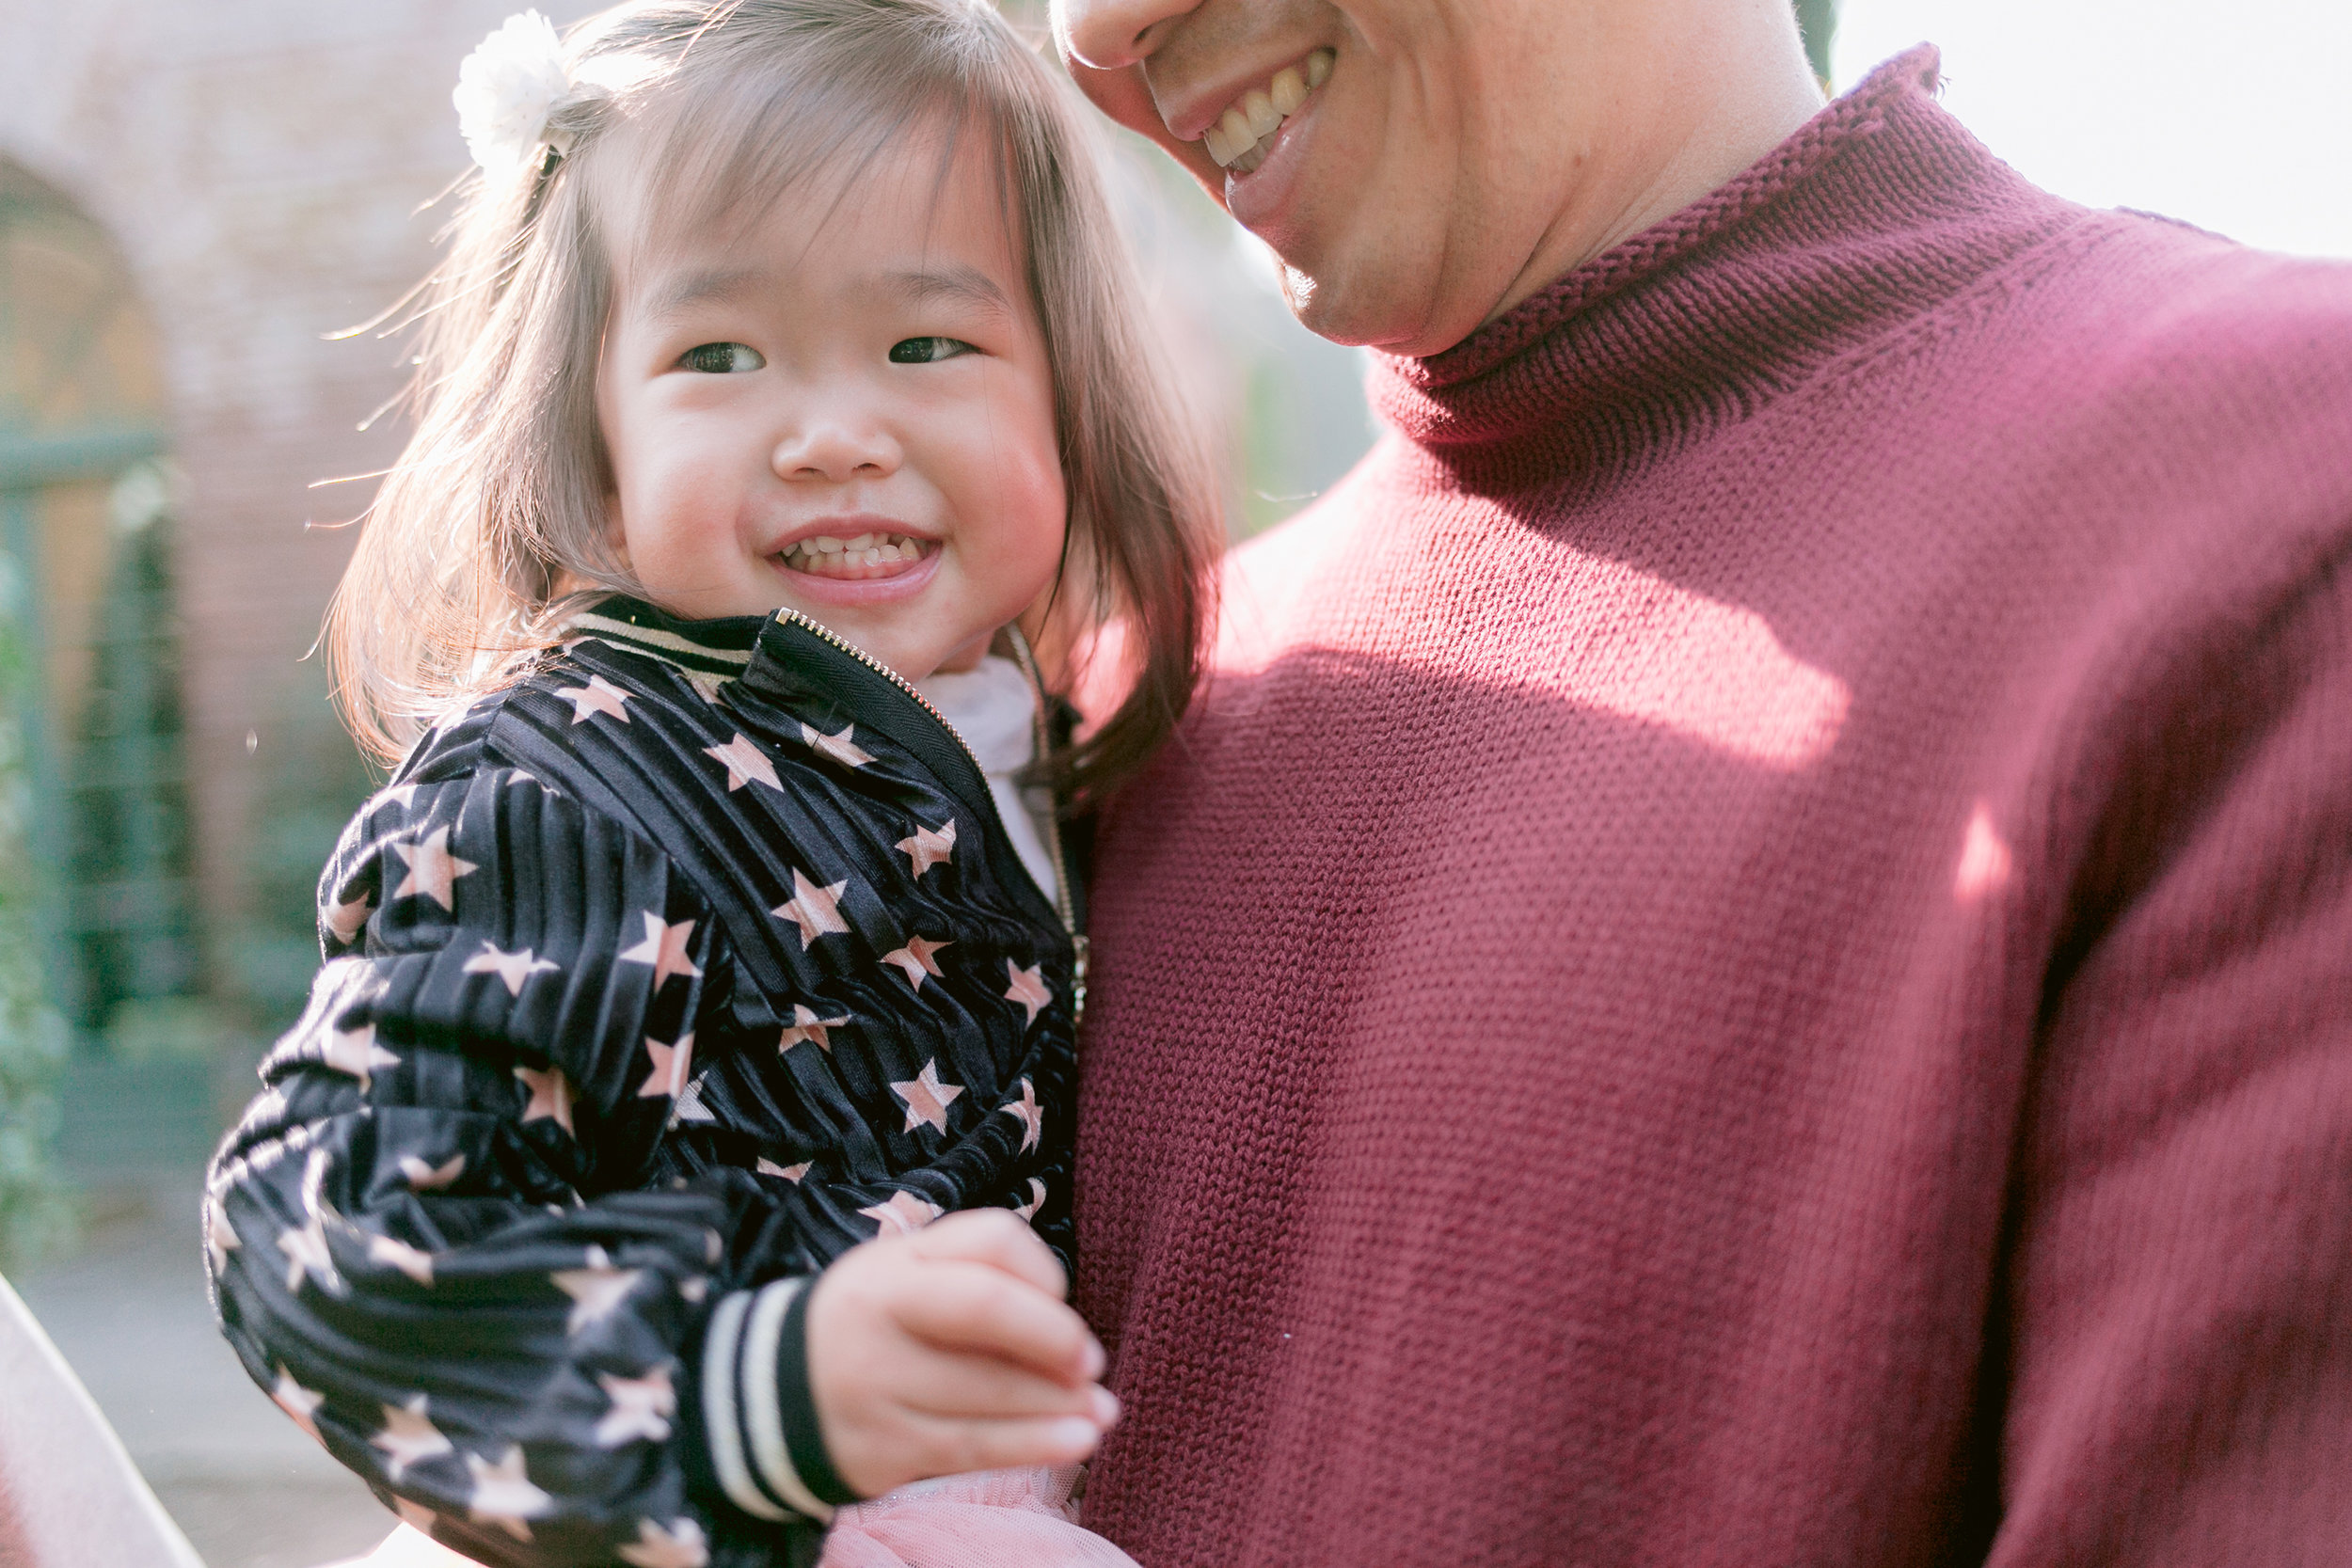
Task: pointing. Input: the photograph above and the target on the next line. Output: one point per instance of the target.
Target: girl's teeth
(1241, 137)
(867, 549)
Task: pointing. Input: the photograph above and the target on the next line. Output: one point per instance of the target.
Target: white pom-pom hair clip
(507, 89)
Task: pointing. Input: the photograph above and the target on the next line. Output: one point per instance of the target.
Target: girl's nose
(1111, 35)
(836, 449)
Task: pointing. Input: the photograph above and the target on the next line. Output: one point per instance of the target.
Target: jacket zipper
(1062, 905)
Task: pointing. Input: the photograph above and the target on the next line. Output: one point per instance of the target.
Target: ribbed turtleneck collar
(1880, 208)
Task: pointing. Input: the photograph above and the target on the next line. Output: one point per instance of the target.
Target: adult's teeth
(1289, 91)
(1236, 125)
(1260, 108)
(1237, 139)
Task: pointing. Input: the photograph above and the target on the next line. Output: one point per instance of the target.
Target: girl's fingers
(974, 1309)
(955, 1447)
(995, 1237)
(953, 1386)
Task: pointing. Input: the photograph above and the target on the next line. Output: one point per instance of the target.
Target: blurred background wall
(196, 195)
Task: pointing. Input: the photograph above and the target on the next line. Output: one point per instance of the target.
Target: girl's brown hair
(491, 530)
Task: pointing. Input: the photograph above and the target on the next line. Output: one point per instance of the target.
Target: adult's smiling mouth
(1240, 138)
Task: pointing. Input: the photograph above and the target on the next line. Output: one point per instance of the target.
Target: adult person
(1745, 960)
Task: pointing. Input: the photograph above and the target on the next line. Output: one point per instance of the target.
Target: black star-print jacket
(653, 983)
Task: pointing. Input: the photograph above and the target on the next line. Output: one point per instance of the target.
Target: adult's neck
(1722, 82)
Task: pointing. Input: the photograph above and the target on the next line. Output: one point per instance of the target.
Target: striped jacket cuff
(760, 1418)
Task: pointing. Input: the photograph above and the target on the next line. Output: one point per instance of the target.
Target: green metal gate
(86, 525)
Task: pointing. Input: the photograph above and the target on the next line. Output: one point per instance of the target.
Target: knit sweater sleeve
(432, 1239)
(2178, 1324)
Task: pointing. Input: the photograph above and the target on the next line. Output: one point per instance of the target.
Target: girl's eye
(927, 350)
(722, 358)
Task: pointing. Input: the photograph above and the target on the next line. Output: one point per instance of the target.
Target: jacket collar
(720, 647)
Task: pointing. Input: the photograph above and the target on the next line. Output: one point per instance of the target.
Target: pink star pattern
(512, 969)
(916, 959)
(927, 1099)
(503, 1494)
(806, 1026)
(423, 1177)
(671, 1064)
(415, 1264)
(598, 696)
(550, 1095)
(930, 846)
(689, 1106)
(681, 1545)
(835, 746)
(409, 1437)
(1028, 986)
(812, 908)
(790, 1173)
(345, 920)
(903, 1214)
(746, 764)
(1037, 1200)
(1028, 1113)
(433, 871)
(664, 947)
(306, 1255)
(300, 1403)
(219, 1239)
(641, 1407)
(355, 1052)
(597, 1289)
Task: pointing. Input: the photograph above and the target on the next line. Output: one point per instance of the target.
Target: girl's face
(848, 415)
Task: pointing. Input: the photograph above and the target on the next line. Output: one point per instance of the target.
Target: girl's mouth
(861, 558)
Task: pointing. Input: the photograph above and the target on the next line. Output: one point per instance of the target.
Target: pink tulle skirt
(995, 1519)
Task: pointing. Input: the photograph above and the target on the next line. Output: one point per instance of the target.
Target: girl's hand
(950, 1350)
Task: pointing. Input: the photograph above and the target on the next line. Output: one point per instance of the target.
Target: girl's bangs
(805, 129)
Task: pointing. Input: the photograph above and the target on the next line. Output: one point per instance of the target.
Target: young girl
(780, 384)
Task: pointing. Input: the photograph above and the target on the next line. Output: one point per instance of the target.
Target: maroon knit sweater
(1749, 960)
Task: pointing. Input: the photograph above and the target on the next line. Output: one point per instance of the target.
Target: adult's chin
(1365, 295)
